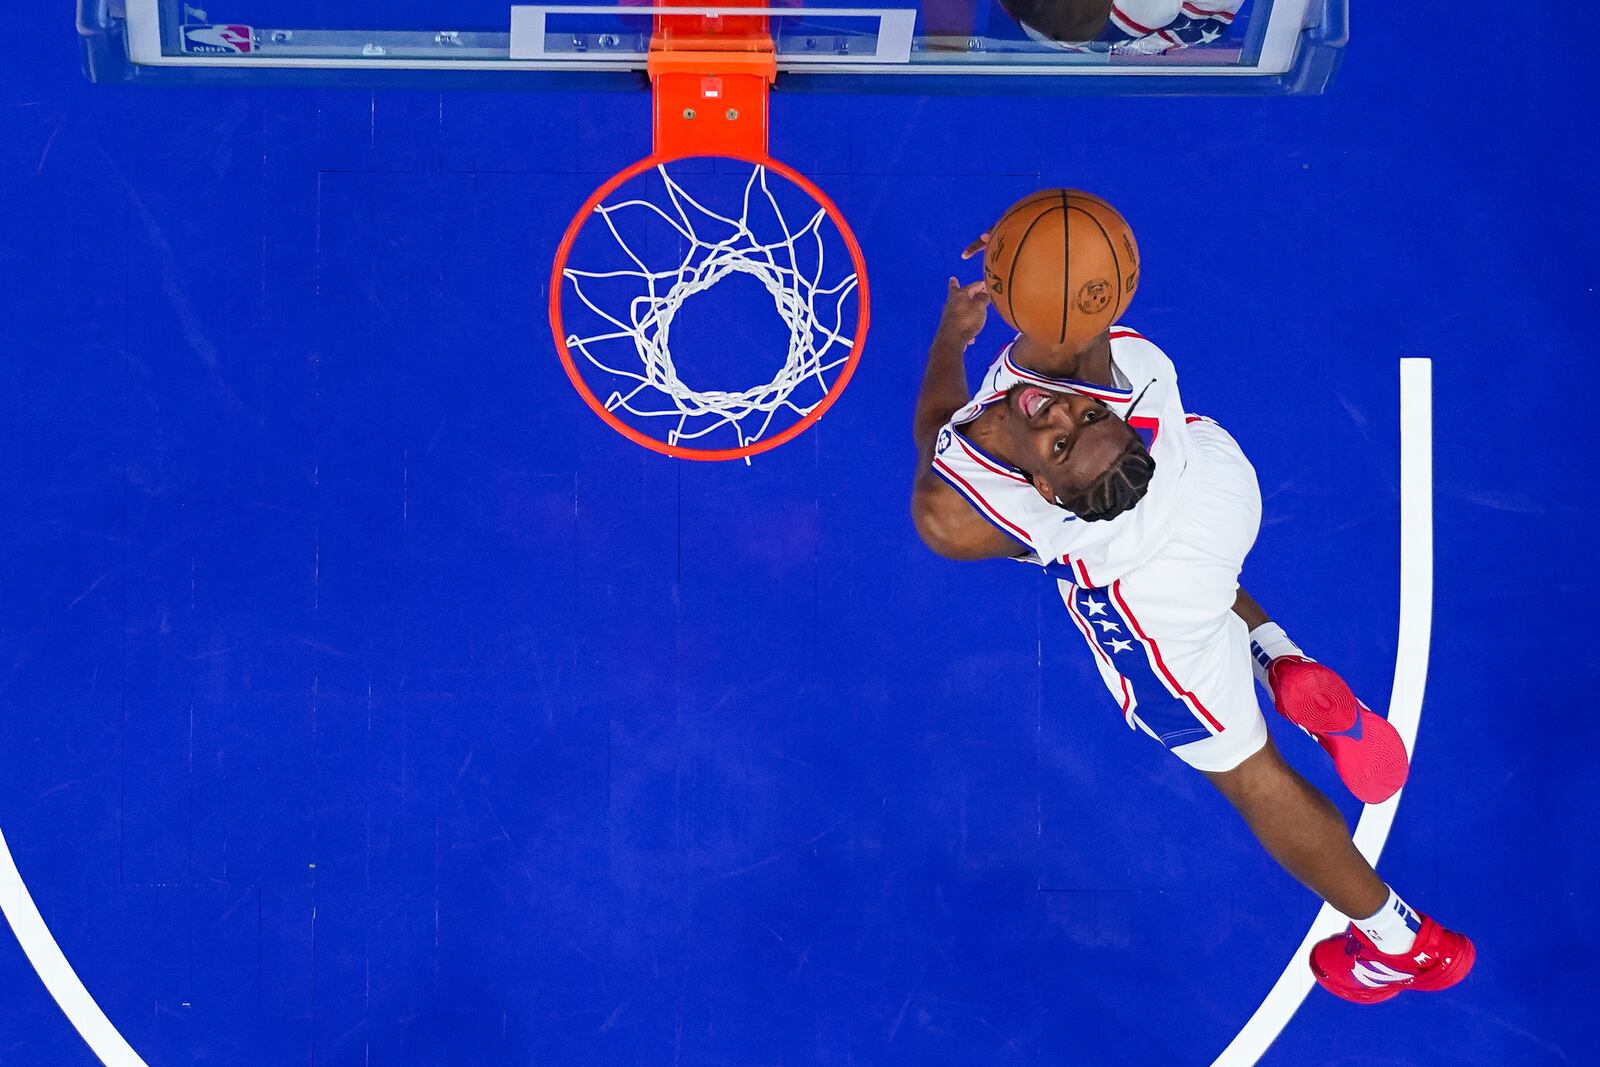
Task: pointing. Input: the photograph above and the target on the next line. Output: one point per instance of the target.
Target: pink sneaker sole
(1367, 752)
(1370, 757)
(1310, 695)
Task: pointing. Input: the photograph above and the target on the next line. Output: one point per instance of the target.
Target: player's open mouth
(1033, 400)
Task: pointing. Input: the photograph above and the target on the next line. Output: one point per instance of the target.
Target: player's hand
(966, 309)
(977, 246)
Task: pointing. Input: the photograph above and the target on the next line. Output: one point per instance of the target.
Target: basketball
(1061, 266)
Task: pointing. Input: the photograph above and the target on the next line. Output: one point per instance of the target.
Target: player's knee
(1261, 773)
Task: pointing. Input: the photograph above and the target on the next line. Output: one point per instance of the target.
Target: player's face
(1065, 440)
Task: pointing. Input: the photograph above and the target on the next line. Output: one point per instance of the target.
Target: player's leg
(1302, 830)
(1196, 661)
(1388, 946)
(1366, 750)
(1187, 683)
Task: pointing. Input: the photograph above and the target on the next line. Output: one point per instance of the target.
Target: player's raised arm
(944, 382)
(945, 521)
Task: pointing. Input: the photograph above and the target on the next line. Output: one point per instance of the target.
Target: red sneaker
(1366, 750)
(1347, 965)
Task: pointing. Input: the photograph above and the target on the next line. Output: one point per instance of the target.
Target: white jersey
(1154, 27)
(1139, 18)
(1087, 553)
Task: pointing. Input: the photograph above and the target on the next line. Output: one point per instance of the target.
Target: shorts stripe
(1173, 685)
(1147, 703)
(1126, 699)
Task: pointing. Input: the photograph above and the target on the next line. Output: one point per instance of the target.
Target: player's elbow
(935, 528)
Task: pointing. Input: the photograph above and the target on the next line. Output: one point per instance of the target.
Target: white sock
(1394, 928)
(1267, 643)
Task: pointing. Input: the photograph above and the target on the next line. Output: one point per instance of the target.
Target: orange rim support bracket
(711, 76)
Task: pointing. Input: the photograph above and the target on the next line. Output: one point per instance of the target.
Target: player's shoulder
(1125, 337)
(1138, 356)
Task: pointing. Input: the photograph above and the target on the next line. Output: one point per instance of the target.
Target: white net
(770, 231)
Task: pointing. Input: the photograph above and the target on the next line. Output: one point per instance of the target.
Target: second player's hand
(975, 247)
(966, 309)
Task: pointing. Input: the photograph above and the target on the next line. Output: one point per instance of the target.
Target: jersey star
(1119, 645)
(1095, 607)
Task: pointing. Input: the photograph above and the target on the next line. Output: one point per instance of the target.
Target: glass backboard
(1188, 46)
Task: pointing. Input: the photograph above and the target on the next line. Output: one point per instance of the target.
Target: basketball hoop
(708, 206)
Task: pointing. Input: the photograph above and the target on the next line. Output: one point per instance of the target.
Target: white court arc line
(1405, 699)
(1286, 995)
(54, 970)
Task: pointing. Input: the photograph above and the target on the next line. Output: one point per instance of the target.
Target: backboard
(921, 46)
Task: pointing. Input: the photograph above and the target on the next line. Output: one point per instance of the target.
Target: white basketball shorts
(1164, 636)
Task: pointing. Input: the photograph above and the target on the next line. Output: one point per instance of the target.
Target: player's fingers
(978, 288)
(975, 247)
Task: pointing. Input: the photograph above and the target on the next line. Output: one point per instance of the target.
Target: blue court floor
(365, 700)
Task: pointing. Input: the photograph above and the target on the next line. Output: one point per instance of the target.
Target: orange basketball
(1062, 266)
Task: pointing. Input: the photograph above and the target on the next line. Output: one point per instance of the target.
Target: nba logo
(944, 442)
(217, 40)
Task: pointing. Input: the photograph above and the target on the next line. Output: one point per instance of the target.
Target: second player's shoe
(1366, 750)
(1347, 965)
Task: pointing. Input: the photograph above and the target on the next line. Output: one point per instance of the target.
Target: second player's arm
(945, 521)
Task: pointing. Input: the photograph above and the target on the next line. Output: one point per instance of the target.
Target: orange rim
(754, 448)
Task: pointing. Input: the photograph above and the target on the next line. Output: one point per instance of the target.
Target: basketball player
(1127, 27)
(1077, 456)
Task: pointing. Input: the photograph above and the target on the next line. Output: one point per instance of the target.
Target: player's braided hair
(1122, 486)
